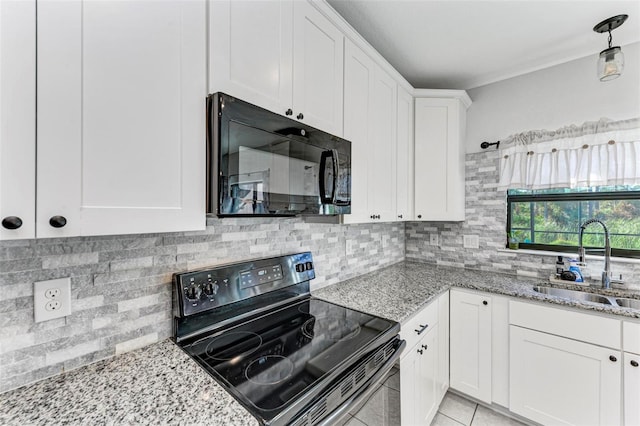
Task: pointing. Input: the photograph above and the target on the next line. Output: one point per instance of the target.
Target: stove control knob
(192, 292)
(211, 288)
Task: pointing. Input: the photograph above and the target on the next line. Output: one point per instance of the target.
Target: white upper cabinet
(382, 151)
(318, 69)
(370, 124)
(121, 117)
(439, 158)
(251, 54)
(284, 56)
(358, 91)
(404, 160)
(17, 119)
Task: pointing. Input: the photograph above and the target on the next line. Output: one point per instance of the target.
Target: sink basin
(628, 303)
(574, 295)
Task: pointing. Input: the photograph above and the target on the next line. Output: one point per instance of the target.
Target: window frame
(571, 196)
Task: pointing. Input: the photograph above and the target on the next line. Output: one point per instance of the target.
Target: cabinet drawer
(574, 325)
(631, 336)
(413, 329)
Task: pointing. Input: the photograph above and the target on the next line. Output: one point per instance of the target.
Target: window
(550, 219)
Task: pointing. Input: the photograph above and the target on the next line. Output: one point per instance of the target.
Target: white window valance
(598, 153)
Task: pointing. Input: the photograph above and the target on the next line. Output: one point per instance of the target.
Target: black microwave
(262, 164)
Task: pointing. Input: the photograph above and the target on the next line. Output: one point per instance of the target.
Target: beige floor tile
(487, 417)
(442, 420)
(354, 422)
(458, 408)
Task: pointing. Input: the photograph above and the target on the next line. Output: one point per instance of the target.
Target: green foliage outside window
(551, 219)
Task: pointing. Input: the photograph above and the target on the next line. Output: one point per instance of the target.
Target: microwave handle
(323, 165)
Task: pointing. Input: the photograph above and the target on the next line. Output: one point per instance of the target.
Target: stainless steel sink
(574, 295)
(628, 303)
(588, 297)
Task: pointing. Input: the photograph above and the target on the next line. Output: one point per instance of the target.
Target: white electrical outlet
(51, 299)
(350, 248)
(434, 240)
(471, 241)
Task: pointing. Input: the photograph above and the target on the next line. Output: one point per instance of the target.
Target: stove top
(257, 330)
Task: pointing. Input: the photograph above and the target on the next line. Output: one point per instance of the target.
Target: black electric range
(286, 356)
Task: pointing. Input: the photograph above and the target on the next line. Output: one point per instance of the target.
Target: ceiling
(450, 44)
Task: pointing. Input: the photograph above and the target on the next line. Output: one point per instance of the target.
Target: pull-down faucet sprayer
(606, 274)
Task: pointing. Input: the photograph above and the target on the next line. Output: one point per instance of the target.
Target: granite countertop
(161, 384)
(400, 290)
(158, 384)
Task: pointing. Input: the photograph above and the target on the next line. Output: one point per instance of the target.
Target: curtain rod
(485, 145)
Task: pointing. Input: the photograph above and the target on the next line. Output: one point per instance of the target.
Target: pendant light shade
(610, 63)
(611, 60)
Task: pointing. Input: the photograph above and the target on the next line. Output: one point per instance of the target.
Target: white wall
(565, 94)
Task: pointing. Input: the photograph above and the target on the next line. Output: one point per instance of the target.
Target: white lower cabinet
(422, 382)
(555, 380)
(419, 381)
(443, 345)
(631, 373)
(470, 344)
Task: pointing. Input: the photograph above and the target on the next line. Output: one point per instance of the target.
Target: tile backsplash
(486, 218)
(121, 285)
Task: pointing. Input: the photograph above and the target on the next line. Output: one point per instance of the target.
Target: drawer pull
(422, 328)
(485, 303)
(634, 363)
(613, 358)
(420, 351)
(425, 347)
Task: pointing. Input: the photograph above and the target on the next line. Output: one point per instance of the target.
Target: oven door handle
(365, 391)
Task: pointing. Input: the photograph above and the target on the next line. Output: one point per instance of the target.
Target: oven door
(352, 389)
(268, 165)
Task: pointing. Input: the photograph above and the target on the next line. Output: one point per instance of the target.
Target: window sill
(568, 254)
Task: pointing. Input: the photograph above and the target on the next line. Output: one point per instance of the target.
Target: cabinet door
(443, 346)
(470, 344)
(404, 161)
(418, 381)
(439, 159)
(631, 373)
(251, 51)
(17, 119)
(555, 380)
(121, 116)
(358, 90)
(382, 154)
(318, 48)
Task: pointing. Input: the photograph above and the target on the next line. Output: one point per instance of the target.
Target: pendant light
(611, 60)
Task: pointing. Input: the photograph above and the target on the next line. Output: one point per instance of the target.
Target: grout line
(449, 417)
(474, 415)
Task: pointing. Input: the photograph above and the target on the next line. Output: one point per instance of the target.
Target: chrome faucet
(606, 274)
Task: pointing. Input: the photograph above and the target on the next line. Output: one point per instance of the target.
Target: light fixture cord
(610, 38)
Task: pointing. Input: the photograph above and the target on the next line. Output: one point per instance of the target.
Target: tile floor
(456, 411)
(383, 409)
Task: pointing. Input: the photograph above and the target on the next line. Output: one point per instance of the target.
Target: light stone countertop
(161, 384)
(398, 291)
(156, 385)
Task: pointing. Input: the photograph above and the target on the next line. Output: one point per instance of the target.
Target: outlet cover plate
(51, 299)
(471, 241)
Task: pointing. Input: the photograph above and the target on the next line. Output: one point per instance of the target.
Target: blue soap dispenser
(573, 267)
